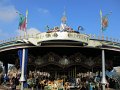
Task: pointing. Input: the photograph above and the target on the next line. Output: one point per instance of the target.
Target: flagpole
(26, 23)
(101, 29)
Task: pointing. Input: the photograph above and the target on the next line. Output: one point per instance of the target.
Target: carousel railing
(104, 38)
(113, 41)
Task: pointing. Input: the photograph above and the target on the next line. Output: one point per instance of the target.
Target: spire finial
(64, 18)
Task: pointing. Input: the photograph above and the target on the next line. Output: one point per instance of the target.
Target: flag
(104, 21)
(22, 22)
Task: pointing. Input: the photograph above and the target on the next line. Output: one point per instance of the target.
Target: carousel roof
(59, 38)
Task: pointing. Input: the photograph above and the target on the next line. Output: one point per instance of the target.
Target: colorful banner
(104, 21)
(22, 22)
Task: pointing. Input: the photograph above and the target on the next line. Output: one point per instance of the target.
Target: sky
(85, 13)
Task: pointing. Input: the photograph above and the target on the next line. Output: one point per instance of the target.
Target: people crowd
(44, 81)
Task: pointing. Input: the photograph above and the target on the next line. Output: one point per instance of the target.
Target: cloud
(31, 31)
(43, 11)
(8, 13)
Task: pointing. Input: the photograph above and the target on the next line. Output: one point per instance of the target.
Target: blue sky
(49, 12)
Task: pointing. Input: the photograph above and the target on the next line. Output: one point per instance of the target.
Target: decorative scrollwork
(77, 57)
(51, 57)
(39, 61)
(78, 35)
(55, 35)
(48, 35)
(70, 35)
(64, 61)
(89, 62)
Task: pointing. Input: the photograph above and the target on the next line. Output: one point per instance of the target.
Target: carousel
(62, 58)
